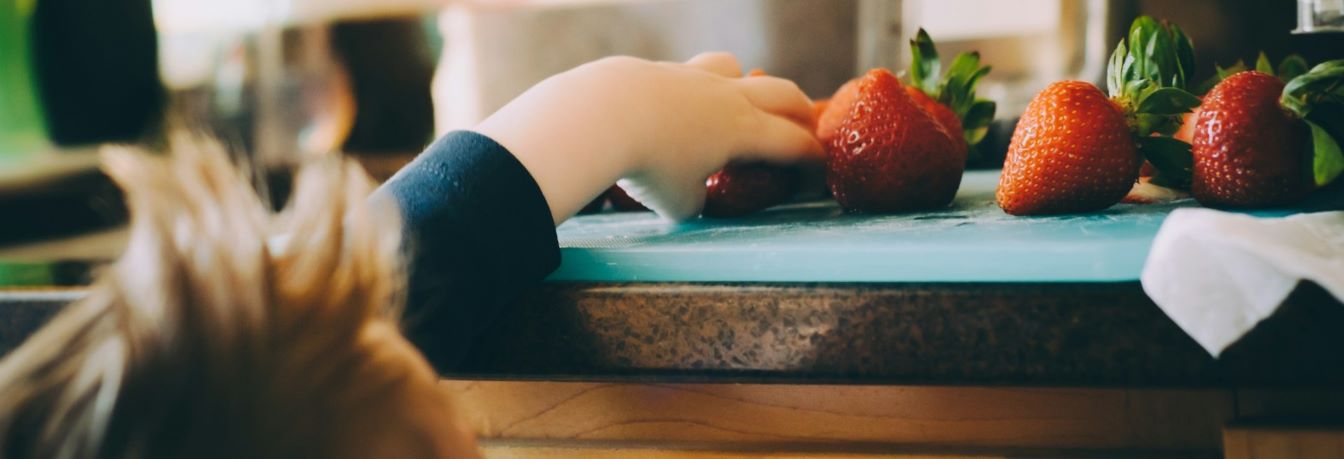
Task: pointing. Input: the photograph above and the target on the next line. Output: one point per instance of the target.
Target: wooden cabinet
(520, 419)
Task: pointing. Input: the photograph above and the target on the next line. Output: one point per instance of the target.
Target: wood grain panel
(512, 450)
(1255, 442)
(812, 414)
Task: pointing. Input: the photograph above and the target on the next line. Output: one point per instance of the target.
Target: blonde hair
(224, 330)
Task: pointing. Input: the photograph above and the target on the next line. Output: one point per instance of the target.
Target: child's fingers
(684, 204)
(778, 96)
(674, 200)
(779, 139)
(718, 63)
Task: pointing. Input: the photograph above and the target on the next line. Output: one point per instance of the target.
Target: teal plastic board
(971, 241)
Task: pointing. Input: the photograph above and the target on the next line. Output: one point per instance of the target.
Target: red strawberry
(890, 155)
(1289, 69)
(743, 188)
(1071, 152)
(1077, 150)
(836, 110)
(1248, 150)
(737, 189)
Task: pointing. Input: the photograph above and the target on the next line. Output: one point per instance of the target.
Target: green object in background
(21, 124)
(35, 274)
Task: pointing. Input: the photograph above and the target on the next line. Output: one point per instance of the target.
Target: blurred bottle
(1030, 43)
(493, 50)
(290, 78)
(239, 71)
(1315, 16)
(21, 128)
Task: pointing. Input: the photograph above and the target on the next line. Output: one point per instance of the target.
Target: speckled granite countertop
(1034, 334)
(1011, 334)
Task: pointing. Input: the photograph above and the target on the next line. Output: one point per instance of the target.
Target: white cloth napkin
(1218, 274)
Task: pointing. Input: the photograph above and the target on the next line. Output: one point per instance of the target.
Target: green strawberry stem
(1172, 158)
(1317, 97)
(1290, 67)
(925, 68)
(955, 89)
(1262, 64)
(1148, 76)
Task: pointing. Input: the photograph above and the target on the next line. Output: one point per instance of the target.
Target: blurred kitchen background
(282, 79)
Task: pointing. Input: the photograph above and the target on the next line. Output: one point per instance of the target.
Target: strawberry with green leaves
(890, 154)
(1262, 143)
(1076, 149)
(897, 148)
(1291, 67)
(950, 97)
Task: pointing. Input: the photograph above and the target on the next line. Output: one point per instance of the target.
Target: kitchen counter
(997, 334)
(590, 365)
(966, 295)
(911, 370)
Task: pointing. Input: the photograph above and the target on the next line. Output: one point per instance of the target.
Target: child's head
(228, 331)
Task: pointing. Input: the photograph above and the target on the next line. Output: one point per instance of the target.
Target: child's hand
(661, 127)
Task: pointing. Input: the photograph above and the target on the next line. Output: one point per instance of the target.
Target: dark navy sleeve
(478, 231)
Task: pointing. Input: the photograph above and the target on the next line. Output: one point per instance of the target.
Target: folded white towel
(1218, 274)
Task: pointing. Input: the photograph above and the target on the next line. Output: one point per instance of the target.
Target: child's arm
(663, 127)
(480, 207)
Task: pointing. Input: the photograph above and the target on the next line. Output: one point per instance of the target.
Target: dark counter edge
(1074, 334)
(1045, 335)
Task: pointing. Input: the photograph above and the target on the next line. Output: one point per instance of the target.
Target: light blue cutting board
(971, 241)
